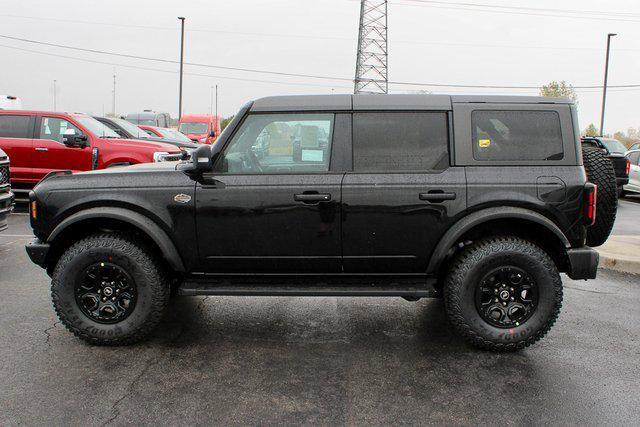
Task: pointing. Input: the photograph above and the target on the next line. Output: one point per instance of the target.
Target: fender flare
(476, 218)
(136, 219)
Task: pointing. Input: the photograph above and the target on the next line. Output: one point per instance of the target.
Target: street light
(181, 18)
(604, 88)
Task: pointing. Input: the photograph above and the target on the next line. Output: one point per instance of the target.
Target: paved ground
(315, 360)
(628, 218)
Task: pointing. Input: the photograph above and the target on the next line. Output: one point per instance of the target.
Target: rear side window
(400, 141)
(14, 127)
(516, 135)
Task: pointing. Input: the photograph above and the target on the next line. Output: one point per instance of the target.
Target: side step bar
(346, 289)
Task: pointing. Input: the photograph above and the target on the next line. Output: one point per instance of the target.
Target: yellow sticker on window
(484, 143)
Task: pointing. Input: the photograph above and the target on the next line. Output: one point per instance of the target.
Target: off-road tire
(464, 277)
(152, 284)
(600, 172)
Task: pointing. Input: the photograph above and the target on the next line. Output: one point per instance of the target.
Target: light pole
(54, 95)
(113, 112)
(604, 88)
(181, 18)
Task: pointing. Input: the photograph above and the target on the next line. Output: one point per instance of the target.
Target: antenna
(372, 59)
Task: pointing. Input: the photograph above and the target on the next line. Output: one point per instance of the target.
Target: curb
(619, 263)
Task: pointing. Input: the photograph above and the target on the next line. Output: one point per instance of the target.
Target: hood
(196, 136)
(140, 167)
(140, 143)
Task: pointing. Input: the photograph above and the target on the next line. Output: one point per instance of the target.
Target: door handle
(439, 196)
(312, 197)
(42, 149)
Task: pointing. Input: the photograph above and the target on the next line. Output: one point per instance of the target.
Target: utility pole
(114, 94)
(54, 95)
(372, 57)
(604, 88)
(181, 18)
(211, 104)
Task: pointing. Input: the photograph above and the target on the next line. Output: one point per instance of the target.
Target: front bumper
(583, 263)
(37, 251)
(6, 206)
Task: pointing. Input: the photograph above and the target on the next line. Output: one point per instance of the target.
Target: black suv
(6, 196)
(480, 200)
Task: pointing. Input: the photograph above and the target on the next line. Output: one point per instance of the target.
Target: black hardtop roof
(388, 102)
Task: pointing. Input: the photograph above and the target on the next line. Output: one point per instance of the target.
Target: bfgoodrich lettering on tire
(109, 290)
(503, 293)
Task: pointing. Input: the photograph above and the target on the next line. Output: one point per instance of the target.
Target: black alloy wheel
(506, 297)
(106, 293)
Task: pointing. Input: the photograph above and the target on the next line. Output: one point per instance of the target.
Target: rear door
(634, 172)
(51, 154)
(16, 139)
(271, 207)
(402, 194)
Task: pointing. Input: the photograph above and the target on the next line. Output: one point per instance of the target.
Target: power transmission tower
(371, 62)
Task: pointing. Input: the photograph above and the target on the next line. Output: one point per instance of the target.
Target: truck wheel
(503, 293)
(600, 172)
(109, 290)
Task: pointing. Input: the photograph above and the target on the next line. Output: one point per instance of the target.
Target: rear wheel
(600, 172)
(109, 290)
(503, 293)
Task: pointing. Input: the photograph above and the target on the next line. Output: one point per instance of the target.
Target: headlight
(159, 156)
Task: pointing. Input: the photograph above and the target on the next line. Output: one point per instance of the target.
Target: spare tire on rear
(600, 172)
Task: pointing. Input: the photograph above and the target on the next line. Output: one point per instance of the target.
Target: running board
(347, 288)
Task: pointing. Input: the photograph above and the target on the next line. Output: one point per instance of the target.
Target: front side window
(280, 143)
(516, 135)
(14, 127)
(400, 141)
(54, 128)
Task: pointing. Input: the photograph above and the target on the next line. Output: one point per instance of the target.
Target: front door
(402, 194)
(51, 154)
(272, 204)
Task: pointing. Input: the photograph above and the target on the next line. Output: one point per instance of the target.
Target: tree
(559, 89)
(225, 122)
(590, 130)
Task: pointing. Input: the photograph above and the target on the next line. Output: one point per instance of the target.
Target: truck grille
(4, 174)
(172, 157)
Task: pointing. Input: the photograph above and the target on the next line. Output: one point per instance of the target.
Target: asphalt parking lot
(226, 360)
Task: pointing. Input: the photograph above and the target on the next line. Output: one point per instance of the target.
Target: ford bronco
(480, 200)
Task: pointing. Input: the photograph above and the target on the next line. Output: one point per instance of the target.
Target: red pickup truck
(39, 142)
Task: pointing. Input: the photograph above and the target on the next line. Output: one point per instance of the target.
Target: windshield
(194, 128)
(95, 127)
(137, 121)
(131, 128)
(173, 134)
(614, 146)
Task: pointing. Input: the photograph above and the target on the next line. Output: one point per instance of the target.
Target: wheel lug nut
(511, 289)
(496, 299)
(113, 299)
(504, 303)
(104, 298)
(512, 299)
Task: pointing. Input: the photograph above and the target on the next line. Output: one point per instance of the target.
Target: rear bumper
(620, 181)
(37, 251)
(583, 263)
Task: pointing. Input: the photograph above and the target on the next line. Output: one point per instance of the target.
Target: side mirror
(202, 159)
(71, 139)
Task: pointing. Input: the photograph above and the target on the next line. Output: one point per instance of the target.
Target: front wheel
(503, 293)
(109, 290)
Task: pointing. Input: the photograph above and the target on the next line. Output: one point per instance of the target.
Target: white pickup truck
(9, 102)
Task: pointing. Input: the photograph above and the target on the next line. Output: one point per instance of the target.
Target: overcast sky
(428, 42)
